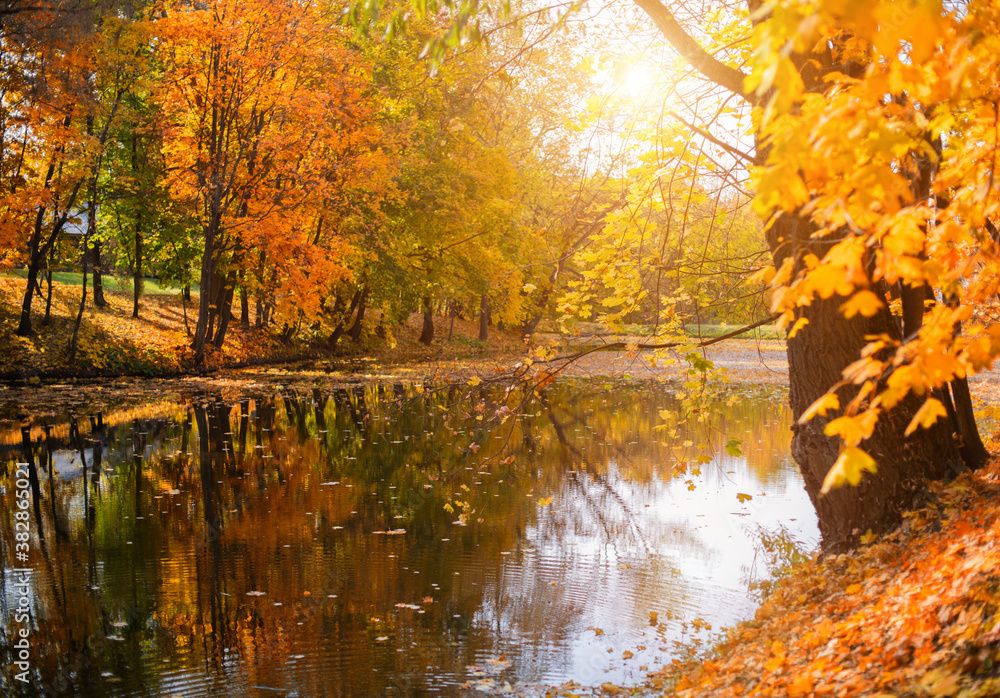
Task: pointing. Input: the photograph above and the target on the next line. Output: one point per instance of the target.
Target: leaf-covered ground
(914, 613)
(157, 343)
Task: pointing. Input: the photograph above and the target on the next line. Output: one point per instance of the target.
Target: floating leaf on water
(256, 593)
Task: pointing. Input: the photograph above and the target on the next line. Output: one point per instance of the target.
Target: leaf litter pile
(913, 613)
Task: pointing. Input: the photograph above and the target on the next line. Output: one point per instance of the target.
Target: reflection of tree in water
(180, 513)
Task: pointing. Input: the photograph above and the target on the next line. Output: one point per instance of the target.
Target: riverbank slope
(113, 343)
(914, 613)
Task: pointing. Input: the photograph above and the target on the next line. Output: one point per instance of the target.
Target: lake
(374, 539)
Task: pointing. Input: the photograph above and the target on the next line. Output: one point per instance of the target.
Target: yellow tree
(872, 150)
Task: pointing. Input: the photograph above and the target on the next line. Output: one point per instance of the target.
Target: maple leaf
(848, 468)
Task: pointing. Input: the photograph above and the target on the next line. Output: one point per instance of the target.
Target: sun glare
(638, 81)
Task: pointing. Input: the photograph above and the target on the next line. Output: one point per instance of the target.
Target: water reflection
(350, 542)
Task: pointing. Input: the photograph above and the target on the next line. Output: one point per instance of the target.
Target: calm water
(350, 542)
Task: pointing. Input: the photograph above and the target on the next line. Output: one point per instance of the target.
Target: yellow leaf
(799, 324)
(848, 468)
(827, 280)
(864, 302)
(776, 662)
(853, 429)
(853, 589)
(826, 402)
(765, 275)
(926, 415)
(475, 381)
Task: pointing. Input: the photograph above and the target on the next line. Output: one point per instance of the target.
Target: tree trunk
(99, 301)
(454, 311)
(35, 258)
(484, 318)
(83, 298)
(259, 313)
(48, 292)
(974, 453)
(427, 332)
(187, 292)
(355, 332)
(220, 284)
(829, 342)
(225, 312)
(244, 302)
(205, 296)
(338, 307)
(137, 267)
(184, 308)
(817, 355)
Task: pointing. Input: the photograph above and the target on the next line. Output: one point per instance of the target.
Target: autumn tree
(57, 113)
(260, 101)
(871, 149)
(876, 386)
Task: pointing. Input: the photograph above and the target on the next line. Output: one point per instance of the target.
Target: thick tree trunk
(817, 356)
(484, 318)
(187, 292)
(221, 286)
(355, 332)
(821, 350)
(427, 332)
(35, 259)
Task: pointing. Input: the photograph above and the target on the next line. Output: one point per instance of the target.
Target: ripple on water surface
(350, 542)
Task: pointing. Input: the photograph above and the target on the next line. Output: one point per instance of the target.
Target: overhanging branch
(713, 69)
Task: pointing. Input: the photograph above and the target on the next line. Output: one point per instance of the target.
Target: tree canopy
(647, 166)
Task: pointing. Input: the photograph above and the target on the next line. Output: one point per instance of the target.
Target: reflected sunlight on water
(348, 542)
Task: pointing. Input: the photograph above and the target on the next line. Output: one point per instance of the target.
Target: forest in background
(301, 175)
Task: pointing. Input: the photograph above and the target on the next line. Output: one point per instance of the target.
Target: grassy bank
(109, 282)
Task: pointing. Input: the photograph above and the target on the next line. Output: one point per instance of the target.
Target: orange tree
(63, 77)
(261, 100)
